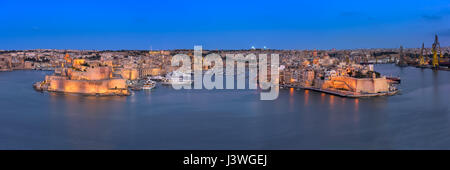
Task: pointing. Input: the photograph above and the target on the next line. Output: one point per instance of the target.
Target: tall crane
(421, 58)
(435, 49)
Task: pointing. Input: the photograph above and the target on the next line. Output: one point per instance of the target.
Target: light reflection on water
(306, 92)
(418, 118)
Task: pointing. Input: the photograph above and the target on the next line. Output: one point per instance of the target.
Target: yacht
(156, 78)
(148, 85)
(176, 78)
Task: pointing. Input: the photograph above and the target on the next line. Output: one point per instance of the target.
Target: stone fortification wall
(361, 85)
(96, 73)
(111, 86)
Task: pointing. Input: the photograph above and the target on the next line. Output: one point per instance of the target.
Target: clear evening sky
(130, 24)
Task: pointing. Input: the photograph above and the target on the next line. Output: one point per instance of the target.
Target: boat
(176, 78)
(148, 85)
(156, 78)
(395, 80)
(175, 81)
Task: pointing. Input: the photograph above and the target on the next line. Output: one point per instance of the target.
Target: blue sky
(228, 24)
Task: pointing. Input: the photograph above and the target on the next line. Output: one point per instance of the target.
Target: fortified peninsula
(77, 76)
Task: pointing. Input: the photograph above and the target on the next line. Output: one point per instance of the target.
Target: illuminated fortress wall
(94, 81)
(363, 85)
(111, 86)
(130, 74)
(97, 73)
(370, 85)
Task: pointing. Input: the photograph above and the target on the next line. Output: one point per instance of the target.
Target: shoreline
(343, 93)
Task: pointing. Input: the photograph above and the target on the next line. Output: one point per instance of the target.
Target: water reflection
(291, 99)
(331, 101)
(306, 94)
(148, 95)
(436, 90)
(322, 98)
(84, 116)
(356, 113)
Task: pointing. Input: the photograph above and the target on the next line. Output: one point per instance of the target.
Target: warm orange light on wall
(71, 87)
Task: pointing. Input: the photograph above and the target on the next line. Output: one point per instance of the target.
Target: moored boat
(148, 85)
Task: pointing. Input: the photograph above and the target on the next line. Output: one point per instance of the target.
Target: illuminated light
(71, 87)
(291, 99)
(356, 105)
(322, 98)
(306, 97)
(331, 100)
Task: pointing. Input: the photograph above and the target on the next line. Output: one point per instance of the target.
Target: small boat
(394, 79)
(148, 85)
(165, 81)
(177, 78)
(156, 78)
(174, 81)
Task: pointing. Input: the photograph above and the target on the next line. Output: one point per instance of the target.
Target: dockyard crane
(435, 49)
(421, 59)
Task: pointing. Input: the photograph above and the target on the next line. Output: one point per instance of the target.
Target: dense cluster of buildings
(347, 72)
(328, 74)
(99, 73)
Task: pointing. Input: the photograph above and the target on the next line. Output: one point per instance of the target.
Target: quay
(343, 93)
(351, 94)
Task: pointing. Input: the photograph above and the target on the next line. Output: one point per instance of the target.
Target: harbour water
(164, 118)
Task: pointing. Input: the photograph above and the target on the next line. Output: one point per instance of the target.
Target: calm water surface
(418, 118)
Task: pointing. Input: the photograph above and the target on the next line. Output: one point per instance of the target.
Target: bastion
(358, 85)
(91, 81)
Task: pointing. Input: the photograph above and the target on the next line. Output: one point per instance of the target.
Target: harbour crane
(421, 58)
(436, 47)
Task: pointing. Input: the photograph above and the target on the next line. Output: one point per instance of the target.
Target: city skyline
(111, 25)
